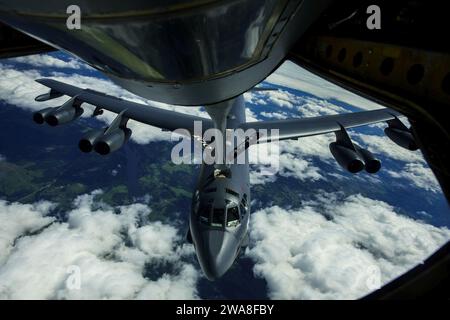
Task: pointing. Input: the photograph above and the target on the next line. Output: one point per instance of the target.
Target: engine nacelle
(52, 94)
(63, 115)
(347, 158)
(112, 141)
(371, 164)
(39, 116)
(87, 143)
(402, 138)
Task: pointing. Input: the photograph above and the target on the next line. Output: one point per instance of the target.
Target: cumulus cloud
(48, 61)
(293, 166)
(292, 76)
(254, 98)
(109, 248)
(26, 219)
(2, 158)
(274, 115)
(290, 101)
(271, 160)
(291, 158)
(257, 176)
(380, 144)
(179, 286)
(281, 98)
(335, 248)
(317, 146)
(314, 107)
(418, 175)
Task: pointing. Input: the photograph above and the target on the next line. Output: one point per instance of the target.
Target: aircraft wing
(304, 127)
(164, 119)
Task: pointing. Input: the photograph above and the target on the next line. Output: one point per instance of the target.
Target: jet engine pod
(52, 94)
(63, 115)
(88, 141)
(39, 116)
(403, 138)
(348, 159)
(112, 141)
(372, 164)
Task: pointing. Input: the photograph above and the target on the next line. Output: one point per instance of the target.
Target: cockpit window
(232, 216)
(204, 213)
(218, 218)
(234, 193)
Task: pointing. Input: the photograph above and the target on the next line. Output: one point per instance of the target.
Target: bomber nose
(220, 249)
(214, 269)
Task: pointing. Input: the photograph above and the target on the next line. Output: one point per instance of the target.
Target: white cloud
(48, 61)
(179, 286)
(418, 175)
(292, 76)
(250, 115)
(383, 145)
(337, 249)
(110, 249)
(310, 146)
(274, 115)
(277, 159)
(282, 99)
(254, 98)
(2, 158)
(313, 107)
(287, 101)
(292, 166)
(20, 219)
(258, 175)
